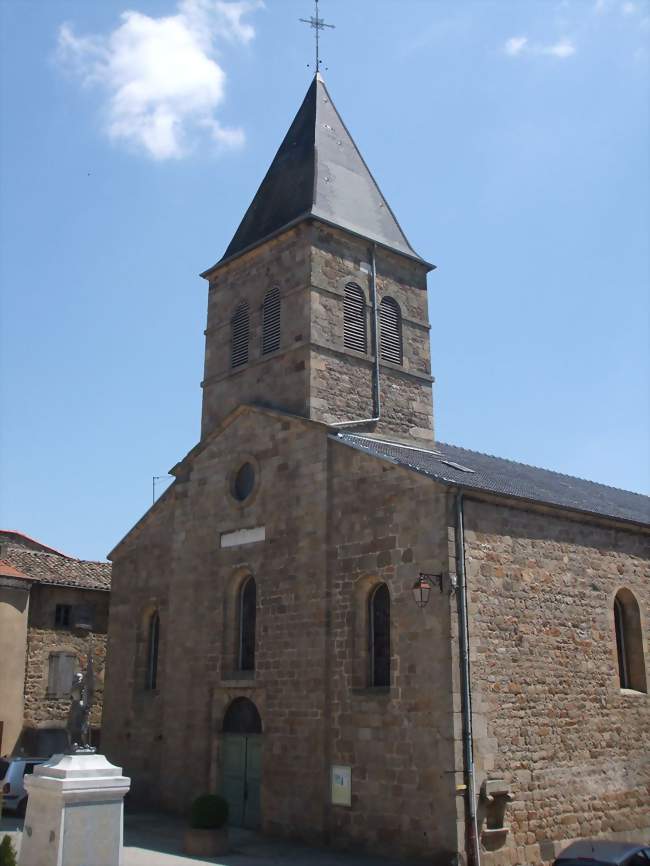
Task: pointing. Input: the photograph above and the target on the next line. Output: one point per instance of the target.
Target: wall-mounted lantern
(423, 586)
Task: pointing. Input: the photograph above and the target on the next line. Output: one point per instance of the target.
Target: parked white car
(12, 773)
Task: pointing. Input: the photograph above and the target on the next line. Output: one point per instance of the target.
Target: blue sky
(511, 139)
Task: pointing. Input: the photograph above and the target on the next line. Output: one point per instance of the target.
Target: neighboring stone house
(53, 611)
(358, 634)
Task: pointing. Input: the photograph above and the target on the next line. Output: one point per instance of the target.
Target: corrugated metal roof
(475, 471)
(319, 172)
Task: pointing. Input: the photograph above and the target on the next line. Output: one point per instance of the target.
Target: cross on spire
(317, 24)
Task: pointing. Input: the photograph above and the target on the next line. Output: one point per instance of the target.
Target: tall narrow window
(379, 637)
(629, 642)
(390, 326)
(153, 645)
(239, 336)
(247, 614)
(271, 322)
(354, 319)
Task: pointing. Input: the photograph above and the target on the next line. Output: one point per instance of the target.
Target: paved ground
(156, 840)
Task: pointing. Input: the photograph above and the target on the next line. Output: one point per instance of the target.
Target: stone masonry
(312, 374)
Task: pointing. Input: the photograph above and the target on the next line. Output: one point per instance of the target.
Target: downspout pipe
(466, 690)
(376, 391)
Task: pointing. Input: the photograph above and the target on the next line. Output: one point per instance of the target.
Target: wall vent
(239, 336)
(354, 319)
(390, 324)
(271, 322)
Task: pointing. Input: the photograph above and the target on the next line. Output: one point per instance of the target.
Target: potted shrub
(207, 835)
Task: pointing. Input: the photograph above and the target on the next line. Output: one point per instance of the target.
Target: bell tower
(319, 305)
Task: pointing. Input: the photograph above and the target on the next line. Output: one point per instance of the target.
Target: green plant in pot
(207, 835)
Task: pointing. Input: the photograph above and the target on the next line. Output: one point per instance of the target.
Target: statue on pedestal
(78, 724)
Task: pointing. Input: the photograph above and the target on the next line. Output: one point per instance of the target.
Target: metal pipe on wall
(466, 693)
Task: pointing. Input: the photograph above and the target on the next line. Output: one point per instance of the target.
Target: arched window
(379, 636)
(239, 336)
(629, 642)
(247, 613)
(390, 326)
(354, 319)
(153, 643)
(271, 322)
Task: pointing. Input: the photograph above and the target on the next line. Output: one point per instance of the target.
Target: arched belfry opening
(241, 762)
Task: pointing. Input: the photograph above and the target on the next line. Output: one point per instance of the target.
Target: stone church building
(364, 637)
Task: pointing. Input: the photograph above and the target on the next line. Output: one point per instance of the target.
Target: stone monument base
(74, 812)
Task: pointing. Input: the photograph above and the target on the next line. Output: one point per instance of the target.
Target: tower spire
(317, 24)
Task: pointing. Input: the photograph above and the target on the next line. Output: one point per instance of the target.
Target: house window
(247, 615)
(60, 674)
(354, 319)
(390, 326)
(629, 642)
(153, 644)
(62, 614)
(239, 336)
(379, 636)
(271, 322)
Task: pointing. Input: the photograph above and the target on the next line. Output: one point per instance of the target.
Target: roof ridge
(544, 469)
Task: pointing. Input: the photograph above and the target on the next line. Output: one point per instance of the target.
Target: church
(359, 635)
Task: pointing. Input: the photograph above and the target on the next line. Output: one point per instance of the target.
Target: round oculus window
(244, 482)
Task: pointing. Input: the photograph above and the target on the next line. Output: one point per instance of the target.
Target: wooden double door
(241, 778)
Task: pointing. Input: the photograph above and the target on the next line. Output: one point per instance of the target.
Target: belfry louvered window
(390, 323)
(354, 319)
(271, 322)
(239, 336)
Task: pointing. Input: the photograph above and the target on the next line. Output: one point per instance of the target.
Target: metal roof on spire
(319, 173)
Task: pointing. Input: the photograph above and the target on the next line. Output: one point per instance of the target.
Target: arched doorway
(241, 763)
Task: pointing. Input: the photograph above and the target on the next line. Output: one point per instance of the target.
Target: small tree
(7, 852)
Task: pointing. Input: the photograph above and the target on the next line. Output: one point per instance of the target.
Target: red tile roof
(38, 562)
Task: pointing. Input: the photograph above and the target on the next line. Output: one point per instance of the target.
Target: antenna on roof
(317, 24)
(155, 478)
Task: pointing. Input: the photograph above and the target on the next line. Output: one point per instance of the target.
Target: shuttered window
(60, 674)
(354, 319)
(390, 324)
(271, 322)
(239, 336)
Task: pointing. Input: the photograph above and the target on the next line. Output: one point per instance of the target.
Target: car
(12, 773)
(603, 852)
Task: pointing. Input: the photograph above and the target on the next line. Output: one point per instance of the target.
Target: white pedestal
(74, 813)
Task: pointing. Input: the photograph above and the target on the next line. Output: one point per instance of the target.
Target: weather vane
(317, 24)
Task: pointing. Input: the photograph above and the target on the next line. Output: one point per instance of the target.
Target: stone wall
(341, 379)
(44, 638)
(280, 379)
(312, 374)
(134, 719)
(336, 522)
(386, 525)
(550, 716)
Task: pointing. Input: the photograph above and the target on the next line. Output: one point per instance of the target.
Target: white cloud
(161, 77)
(562, 49)
(515, 45)
(629, 8)
(519, 45)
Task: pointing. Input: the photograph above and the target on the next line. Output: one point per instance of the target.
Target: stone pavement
(156, 840)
